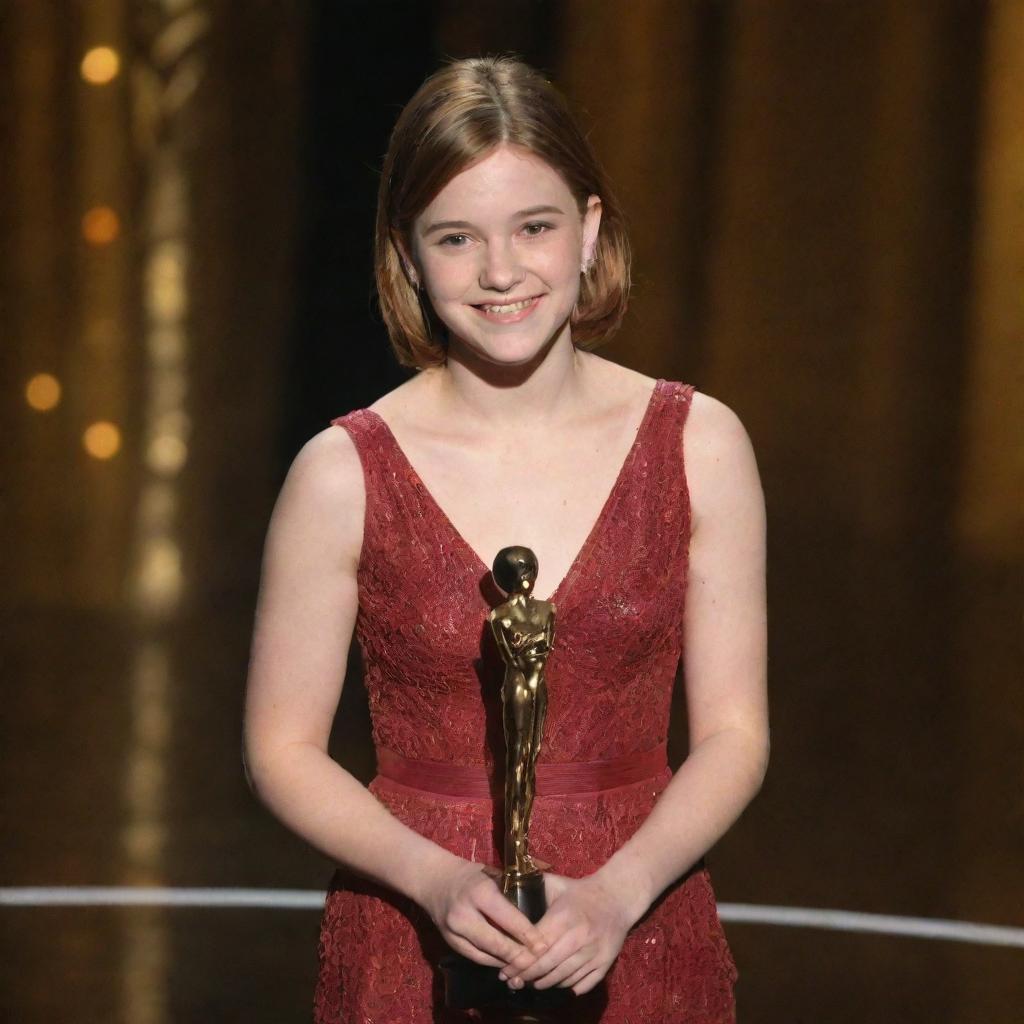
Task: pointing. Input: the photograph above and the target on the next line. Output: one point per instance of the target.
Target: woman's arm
(725, 662)
(305, 617)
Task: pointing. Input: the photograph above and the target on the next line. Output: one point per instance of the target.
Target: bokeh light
(42, 392)
(100, 225)
(166, 281)
(102, 440)
(100, 65)
(166, 454)
(160, 578)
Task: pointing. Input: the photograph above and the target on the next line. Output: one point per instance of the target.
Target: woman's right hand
(476, 919)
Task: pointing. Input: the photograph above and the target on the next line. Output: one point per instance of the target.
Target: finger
(588, 981)
(564, 947)
(518, 963)
(577, 976)
(493, 941)
(568, 967)
(512, 920)
(470, 951)
(496, 944)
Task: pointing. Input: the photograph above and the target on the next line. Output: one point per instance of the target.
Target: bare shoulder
(405, 402)
(323, 498)
(721, 466)
(328, 465)
(621, 385)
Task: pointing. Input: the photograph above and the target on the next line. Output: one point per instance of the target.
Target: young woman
(501, 260)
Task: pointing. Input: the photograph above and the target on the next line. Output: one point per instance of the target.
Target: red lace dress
(434, 676)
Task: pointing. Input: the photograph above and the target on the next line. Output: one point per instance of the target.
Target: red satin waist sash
(475, 780)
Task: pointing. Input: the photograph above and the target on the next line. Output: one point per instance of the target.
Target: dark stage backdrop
(825, 203)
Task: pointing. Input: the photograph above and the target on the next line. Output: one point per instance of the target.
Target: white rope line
(153, 896)
(881, 924)
(311, 899)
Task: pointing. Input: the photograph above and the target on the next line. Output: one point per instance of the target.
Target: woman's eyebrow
(532, 211)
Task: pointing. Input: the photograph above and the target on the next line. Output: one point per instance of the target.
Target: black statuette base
(470, 985)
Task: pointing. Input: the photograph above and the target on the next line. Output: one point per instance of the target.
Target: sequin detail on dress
(433, 680)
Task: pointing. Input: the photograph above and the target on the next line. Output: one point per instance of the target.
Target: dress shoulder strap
(674, 400)
(666, 483)
(677, 397)
(357, 423)
(402, 521)
(379, 478)
(369, 439)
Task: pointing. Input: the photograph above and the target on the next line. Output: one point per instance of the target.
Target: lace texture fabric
(433, 675)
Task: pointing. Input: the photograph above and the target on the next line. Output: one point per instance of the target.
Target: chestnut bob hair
(457, 117)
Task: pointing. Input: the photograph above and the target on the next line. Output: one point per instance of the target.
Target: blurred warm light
(157, 505)
(144, 834)
(168, 390)
(143, 843)
(101, 65)
(166, 281)
(100, 225)
(176, 422)
(160, 578)
(42, 392)
(166, 346)
(166, 454)
(102, 440)
(147, 770)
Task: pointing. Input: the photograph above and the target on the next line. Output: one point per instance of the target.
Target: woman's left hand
(585, 926)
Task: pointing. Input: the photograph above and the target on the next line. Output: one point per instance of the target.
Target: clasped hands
(573, 945)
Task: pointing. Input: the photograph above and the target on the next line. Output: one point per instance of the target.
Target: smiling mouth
(508, 307)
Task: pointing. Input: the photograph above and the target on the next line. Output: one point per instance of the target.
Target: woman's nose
(501, 268)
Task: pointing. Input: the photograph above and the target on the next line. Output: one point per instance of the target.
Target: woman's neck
(543, 392)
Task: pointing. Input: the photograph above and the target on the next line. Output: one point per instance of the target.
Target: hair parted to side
(457, 116)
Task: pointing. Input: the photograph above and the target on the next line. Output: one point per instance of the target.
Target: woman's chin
(496, 359)
(510, 352)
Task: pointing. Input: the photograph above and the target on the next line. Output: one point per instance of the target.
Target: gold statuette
(524, 629)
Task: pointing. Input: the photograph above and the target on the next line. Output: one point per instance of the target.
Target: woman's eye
(448, 240)
(537, 224)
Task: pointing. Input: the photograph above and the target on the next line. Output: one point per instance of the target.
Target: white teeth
(513, 308)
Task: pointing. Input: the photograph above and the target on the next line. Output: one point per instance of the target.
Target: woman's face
(498, 252)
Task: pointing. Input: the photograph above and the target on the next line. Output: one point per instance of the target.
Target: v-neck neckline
(589, 540)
